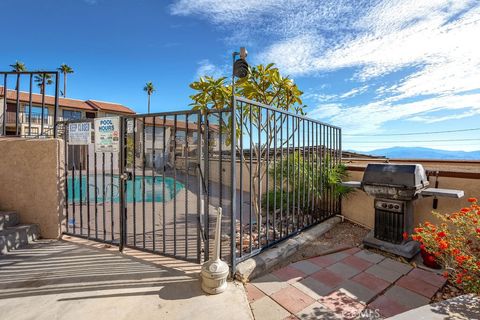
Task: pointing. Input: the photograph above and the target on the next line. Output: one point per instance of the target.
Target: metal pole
(233, 173)
(55, 111)
(5, 91)
(17, 110)
(123, 181)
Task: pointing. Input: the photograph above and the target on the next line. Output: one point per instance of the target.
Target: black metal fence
(285, 169)
(271, 175)
(24, 112)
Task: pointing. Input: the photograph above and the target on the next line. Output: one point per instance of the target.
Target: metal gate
(154, 193)
(160, 192)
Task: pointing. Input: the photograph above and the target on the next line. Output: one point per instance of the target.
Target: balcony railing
(23, 118)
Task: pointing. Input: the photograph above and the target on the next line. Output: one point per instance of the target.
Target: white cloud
(434, 44)
(206, 68)
(370, 117)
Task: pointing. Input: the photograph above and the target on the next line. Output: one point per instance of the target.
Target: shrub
(455, 243)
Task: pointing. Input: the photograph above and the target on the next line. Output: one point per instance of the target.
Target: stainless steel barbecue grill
(395, 187)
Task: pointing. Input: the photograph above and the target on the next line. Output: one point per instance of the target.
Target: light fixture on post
(240, 66)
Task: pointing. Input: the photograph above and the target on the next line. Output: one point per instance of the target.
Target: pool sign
(79, 133)
(107, 134)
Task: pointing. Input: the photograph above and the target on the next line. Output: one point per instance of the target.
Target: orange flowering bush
(455, 243)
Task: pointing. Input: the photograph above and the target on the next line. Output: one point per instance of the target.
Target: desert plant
(305, 179)
(455, 243)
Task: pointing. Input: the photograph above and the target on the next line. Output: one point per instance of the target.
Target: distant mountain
(424, 153)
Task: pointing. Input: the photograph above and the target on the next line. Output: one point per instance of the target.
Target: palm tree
(18, 66)
(149, 89)
(40, 83)
(65, 69)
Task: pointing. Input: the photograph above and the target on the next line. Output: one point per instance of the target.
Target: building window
(36, 114)
(71, 115)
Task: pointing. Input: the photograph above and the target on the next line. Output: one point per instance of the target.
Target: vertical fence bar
(298, 195)
(186, 183)
(175, 185)
(17, 111)
(96, 193)
(112, 224)
(341, 155)
(143, 182)
(287, 227)
(220, 167)
(5, 95)
(80, 187)
(163, 181)
(154, 166)
(199, 185)
(73, 189)
(267, 148)
(88, 190)
(281, 173)
(294, 165)
(206, 211)
(259, 190)
(43, 89)
(30, 107)
(233, 164)
(304, 162)
(240, 126)
(104, 194)
(330, 165)
(275, 177)
(65, 151)
(122, 160)
(134, 183)
(55, 111)
(251, 177)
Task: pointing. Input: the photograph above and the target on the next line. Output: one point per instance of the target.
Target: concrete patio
(80, 279)
(348, 284)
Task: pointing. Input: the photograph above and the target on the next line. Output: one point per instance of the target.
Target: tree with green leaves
(65, 70)
(43, 80)
(18, 66)
(149, 89)
(263, 84)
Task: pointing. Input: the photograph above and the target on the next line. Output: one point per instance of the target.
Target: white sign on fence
(79, 133)
(107, 134)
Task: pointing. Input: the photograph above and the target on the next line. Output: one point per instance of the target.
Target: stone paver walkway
(349, 284)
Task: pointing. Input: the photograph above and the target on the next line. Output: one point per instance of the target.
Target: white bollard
(215, 271)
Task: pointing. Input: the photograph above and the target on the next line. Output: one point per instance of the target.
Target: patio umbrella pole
(215, 271)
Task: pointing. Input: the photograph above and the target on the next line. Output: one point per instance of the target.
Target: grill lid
(406, 176)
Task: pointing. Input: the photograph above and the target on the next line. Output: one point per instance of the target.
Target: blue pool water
(153, 188)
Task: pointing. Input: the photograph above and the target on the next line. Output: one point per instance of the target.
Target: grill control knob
(390, 206)
(384, 205)
(397, 206)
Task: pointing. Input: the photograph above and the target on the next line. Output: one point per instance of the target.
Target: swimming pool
(153, 189)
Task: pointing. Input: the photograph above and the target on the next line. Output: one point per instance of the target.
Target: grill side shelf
(447, 193)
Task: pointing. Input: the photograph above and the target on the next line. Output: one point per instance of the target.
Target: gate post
(121, 168)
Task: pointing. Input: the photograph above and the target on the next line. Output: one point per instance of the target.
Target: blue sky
(372, 67)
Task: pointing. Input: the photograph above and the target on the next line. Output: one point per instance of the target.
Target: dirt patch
(343, 235)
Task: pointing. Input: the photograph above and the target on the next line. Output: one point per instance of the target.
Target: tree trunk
(148, 103)
(64, 85)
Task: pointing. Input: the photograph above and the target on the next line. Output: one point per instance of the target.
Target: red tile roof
(89, 105)
(109, 106)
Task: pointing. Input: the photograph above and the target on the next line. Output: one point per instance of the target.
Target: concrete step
(8, 219)
(15, 237)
